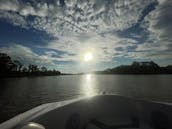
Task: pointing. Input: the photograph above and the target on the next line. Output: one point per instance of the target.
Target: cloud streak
(79, 26)
(158, 24)
(79, 15)
(25, 55)
(25, 9)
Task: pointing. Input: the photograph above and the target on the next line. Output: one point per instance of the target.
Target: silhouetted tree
(33, 68)
(6, 64)
(43, 69)
(16, 68)
(30, 68)
(19, 65)
(24, 70)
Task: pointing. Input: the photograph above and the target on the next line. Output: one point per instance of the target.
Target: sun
(88, 57)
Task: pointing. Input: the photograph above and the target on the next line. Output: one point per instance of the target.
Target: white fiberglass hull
(109, 109)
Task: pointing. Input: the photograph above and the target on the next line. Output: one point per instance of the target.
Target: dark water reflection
(20, 94)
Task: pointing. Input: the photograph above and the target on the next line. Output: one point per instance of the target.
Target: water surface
(21, 94)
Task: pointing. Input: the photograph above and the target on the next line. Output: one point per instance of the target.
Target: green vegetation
(14, 68)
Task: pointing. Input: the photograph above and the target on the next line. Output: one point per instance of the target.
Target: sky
(57, 33)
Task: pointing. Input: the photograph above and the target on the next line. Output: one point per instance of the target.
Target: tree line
(148, 67)
(10, 68)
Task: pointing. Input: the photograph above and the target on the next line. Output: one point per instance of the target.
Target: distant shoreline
(94, 73)
(123, 74)
(137, 68)
(14, 68)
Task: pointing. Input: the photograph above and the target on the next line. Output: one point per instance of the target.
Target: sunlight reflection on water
(88, 85)
(21, 94)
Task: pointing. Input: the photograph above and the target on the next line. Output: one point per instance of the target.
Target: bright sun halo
(88, 57)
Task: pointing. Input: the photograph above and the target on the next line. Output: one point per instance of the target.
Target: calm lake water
(21, 94)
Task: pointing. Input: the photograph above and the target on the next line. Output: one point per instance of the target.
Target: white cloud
(25, 55)
(79, 15)
(91, 16)
(9, 5)
(102, 48)
(159, 20)
(25, 9)
(14, 18)
(159, 26)
(82, 26)
(49, 59)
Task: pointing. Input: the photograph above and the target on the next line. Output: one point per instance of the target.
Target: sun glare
(88, 57)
